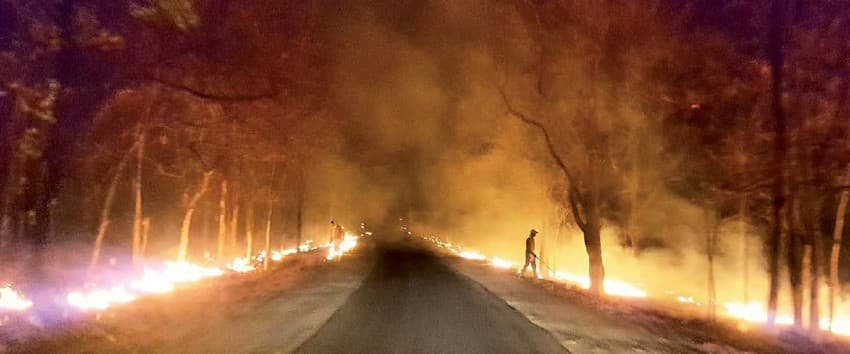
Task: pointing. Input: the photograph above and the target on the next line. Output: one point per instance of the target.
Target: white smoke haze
(427, 138)
(432, 141)
(421, 113)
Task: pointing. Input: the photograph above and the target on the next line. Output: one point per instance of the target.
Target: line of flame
(752, 312)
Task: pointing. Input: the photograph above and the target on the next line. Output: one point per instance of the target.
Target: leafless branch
(193, 150)
(163, 172)
(575, 207)
(233, 98)
(549, 144)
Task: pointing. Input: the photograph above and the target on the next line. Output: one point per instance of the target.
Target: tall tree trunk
(234, 222)
(208, 218)
(742, 231)
(585, 208)
(837, 234)
(222, 221)
(806, 271)
(14, 126)
(249, 227)
(77, 95)
(146, 227)
(794, 259)
(183, 248)
(710, 248)
(7, 136)
(299, 217)
(591, 225)
(809, 265)
(107, 209)
(777, 19)
(814, 290)
(269, 210)
(593, 245)
(633, 192)
(137, 189)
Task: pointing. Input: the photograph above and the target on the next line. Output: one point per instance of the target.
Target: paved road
(412, 303)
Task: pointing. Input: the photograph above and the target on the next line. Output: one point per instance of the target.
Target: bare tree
(191, 205)
(777, 235)
(835, 250)
(269, 210)
(106, 210)
(137, 194)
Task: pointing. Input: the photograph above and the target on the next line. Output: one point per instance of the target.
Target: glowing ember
(12, 300)
(277, 256)
(99, 299)
(181, 272)
(612, 286)
(331, 253)
(307, 246)
(753, 312)
(756, 312)
(241, 265)
(474, 255)
(152, 282)
(121, 295)
(841, 326)
(173, 273)
(686, 299)
(348, 243)
(162, 280)
(584, 282)
(501, 263)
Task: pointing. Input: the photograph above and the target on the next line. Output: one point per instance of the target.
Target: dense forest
(195, 129)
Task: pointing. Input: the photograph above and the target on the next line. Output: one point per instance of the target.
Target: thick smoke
(428, 139)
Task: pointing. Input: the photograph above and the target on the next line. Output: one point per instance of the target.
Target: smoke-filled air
(615, 171)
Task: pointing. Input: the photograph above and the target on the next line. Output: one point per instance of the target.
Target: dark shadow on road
(413, 303)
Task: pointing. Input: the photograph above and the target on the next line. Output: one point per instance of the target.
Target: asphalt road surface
(412, 303)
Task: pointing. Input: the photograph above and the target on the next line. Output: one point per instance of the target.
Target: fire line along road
(413, 303)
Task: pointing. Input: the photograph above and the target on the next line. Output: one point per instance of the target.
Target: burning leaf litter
(163, 279)
(752, 312)
(11, 300)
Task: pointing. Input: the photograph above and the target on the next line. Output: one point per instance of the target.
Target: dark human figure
(339, 235)
(530, 256)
